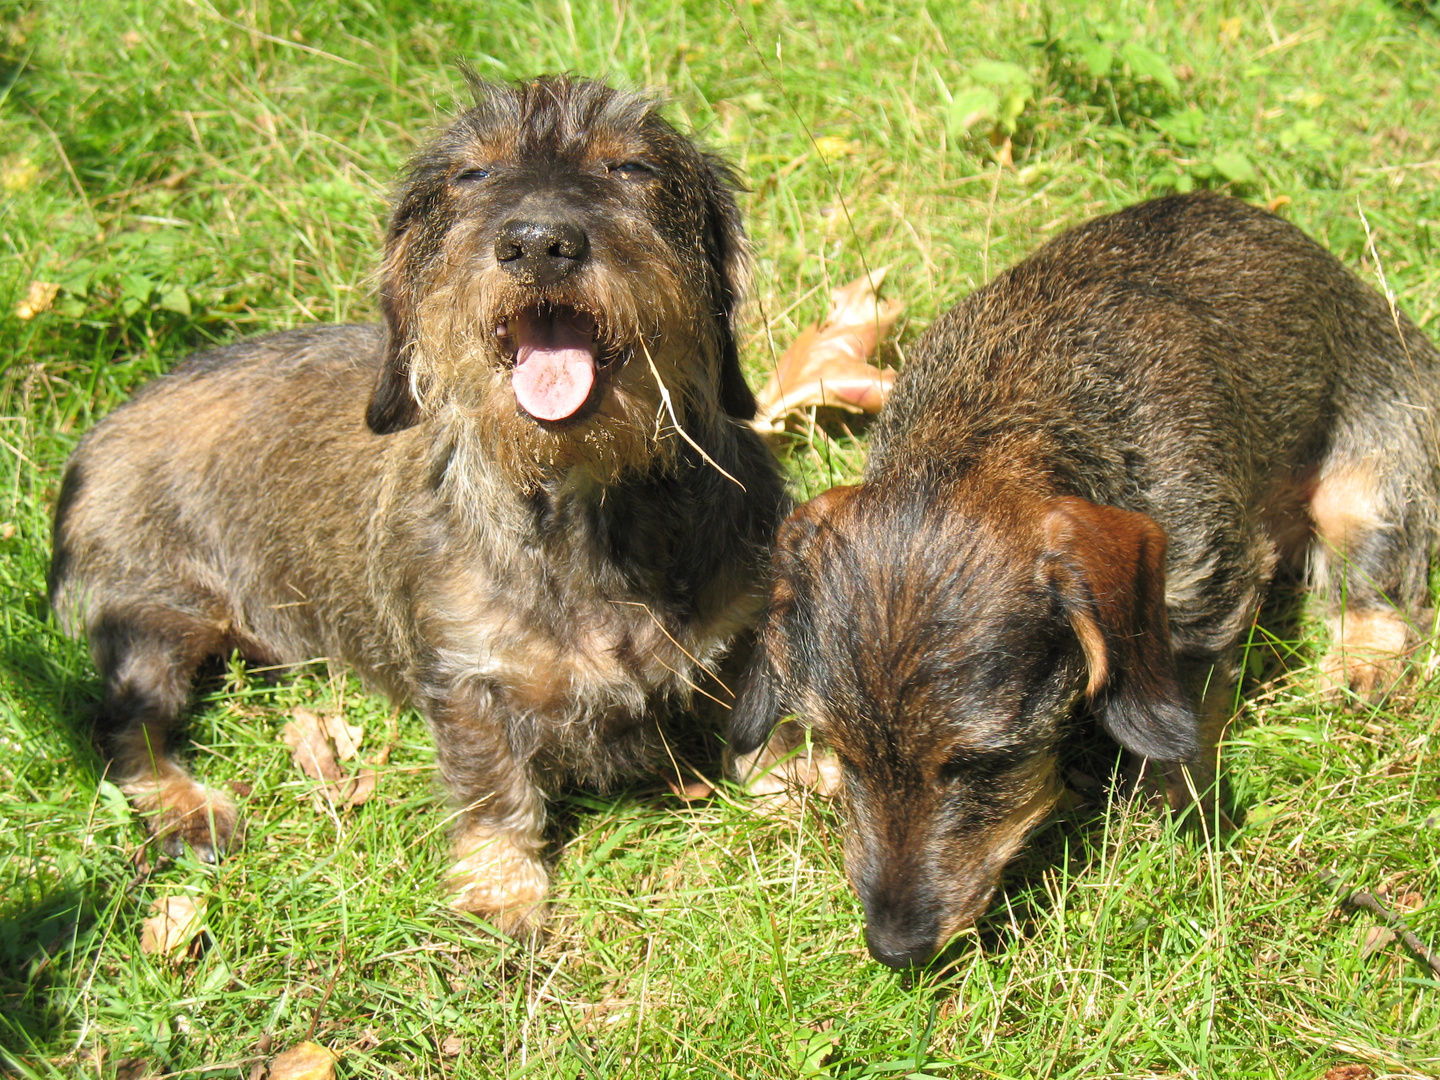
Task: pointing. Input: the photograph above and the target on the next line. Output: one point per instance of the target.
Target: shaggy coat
(1086, 477)
(528, 504)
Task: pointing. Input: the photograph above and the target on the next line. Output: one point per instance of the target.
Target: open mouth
(560, 362)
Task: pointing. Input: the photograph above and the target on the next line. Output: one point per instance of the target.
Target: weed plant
(192, 171)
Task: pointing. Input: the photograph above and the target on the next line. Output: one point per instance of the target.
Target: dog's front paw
(1368, 655)
(499, 880)
(180, 814)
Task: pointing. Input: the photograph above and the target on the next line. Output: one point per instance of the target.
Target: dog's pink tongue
(554, 364)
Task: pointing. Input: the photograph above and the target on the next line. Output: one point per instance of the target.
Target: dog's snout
(901, 945)
(539, 251)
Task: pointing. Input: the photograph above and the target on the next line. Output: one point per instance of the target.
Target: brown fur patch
(1344, 506)
(1369, 651)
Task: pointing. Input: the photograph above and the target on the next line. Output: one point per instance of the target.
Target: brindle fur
(546, 593)
(1087, 476)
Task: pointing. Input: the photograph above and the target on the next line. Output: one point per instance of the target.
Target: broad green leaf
(1185, 127)
(971, 106)
(1235, 167)
(1097, 56)
(175, 299)
(136, 287)
(1143, 61)
(999, 73)
(1306, 133)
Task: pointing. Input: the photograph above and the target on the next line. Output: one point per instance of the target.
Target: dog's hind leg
(1370, 559)
(147, 658)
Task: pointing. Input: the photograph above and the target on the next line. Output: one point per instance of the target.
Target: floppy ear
(761, 702)
(729, 257)
(392, 403)
(1108, 566)
(757, 709)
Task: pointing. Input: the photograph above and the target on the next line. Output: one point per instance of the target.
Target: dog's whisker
(675, 421)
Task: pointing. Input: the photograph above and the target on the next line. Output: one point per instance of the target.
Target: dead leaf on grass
(1350, 1072)
(173, 924)
(827, 365)
(318, 743)
(690, 790)
(1374, 939)
(304, 1061)
(38, 298)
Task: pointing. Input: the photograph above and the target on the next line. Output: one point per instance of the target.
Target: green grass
(191, 172)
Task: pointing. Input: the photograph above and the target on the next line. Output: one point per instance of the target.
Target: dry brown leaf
(173, 924)
(452, 1046)
(317, 741)
(346, 737)
(310, 746)
(1350, 1072)
(38, 298)
(1375, 939)
(304, 1061)
(827, 365)
(691, 789)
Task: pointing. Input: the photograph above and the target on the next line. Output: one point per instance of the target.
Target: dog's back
(1199, 360)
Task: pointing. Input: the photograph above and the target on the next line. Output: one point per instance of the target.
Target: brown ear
(392, 403)
(1108, 566)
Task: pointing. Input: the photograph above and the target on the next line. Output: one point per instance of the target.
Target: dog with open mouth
(527, 504)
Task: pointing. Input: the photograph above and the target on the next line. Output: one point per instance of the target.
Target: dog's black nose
(541, 252)
(901, 948)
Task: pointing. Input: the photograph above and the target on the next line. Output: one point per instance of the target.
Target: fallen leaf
(317, 741)
(346, 737)
(38, 298)
(1350, 1072)
(1375, 939)
(173, 924)
(310, 746)
(452, 1046)
(689, 790)
(17, 173)
(304, 1061)
(827, 364)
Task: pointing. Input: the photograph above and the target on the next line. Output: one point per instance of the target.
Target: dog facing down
(483, 506)
(1085, 478)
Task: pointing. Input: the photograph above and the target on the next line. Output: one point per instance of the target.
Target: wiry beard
(465, 378)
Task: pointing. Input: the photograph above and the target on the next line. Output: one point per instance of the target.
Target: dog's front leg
(498, 840)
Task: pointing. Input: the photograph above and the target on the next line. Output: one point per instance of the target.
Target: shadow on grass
(51, 685)
(40, 942)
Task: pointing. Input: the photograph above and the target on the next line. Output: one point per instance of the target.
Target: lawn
(193, 171)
